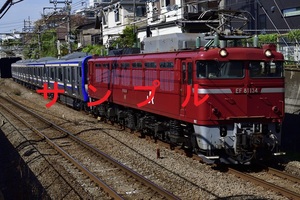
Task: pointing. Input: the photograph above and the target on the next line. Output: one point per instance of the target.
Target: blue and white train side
(69, 72)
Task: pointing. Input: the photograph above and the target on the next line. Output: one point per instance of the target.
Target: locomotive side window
(150, 65)
(183, 78)
(190, 73)
(166, 65)
(201, 69)
(125, 65)
(137, 65)
(260, 69)
(115, 65)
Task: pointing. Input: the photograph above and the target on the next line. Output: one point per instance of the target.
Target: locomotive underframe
(237, 143)
(241, 141)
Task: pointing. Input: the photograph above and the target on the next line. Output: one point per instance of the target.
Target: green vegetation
(268, 38)
(126, 39)
(95, 49)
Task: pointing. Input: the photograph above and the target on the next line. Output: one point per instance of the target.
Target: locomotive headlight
(223, 52)
(268, 53)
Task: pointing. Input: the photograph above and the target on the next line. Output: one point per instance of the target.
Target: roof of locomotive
(202, 53)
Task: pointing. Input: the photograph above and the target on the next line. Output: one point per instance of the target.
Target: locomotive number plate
(247, 90)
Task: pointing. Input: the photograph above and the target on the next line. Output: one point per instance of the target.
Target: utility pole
(222, 19)
(68, 9)
(27, 25)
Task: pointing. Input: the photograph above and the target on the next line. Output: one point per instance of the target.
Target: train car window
(52, 73)
(97, 65)
(45, 70)
(150, 65)
(137, 65)
(69, 75)
(60, 74)
(166, 65)
(261, 69)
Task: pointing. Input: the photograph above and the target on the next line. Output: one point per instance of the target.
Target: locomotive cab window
(214, 69)
(261, 69)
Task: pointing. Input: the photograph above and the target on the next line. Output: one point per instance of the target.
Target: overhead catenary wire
(268, 16)
(286, 22)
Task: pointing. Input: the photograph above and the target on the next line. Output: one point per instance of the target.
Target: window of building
(290, 12)
(262, 21)
(117, 15)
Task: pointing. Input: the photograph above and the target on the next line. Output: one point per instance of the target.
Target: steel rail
(265, 184)
(88, 173)
(284, 175)
(116, 163)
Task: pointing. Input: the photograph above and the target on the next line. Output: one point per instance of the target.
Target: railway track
(117, 180)
(282, 186)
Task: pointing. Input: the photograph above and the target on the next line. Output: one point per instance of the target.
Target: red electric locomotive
(223, 103)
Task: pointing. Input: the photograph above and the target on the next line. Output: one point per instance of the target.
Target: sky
(29, 10)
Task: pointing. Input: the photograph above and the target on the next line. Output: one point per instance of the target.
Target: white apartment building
(159, 17)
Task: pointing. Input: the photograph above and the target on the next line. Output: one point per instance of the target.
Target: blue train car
(69, 72)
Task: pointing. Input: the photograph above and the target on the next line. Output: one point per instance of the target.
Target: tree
(268, 38)
(127, 38)
(294, 35)
(95, 49)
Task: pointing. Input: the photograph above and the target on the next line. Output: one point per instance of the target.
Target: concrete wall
(292, 91)
(291, 122)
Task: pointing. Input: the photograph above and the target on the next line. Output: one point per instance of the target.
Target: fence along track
(111, 192)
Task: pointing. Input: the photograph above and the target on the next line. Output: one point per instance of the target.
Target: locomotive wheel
(131, 121)
(77, 105)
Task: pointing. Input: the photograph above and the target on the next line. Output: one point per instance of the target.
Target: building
(270, 16)
(152, 18)
(161, 17)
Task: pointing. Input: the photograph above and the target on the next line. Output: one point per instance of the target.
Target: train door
(186, 79)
